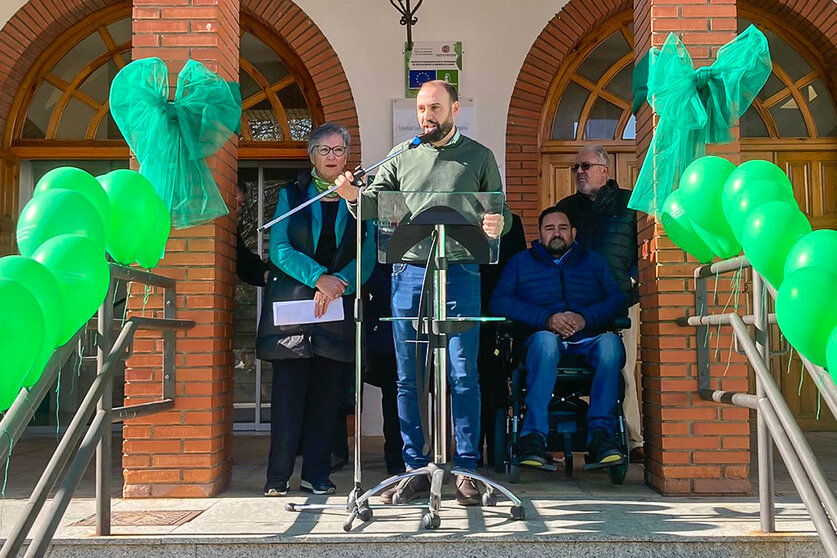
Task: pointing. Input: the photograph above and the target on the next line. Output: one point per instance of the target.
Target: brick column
(693, 447)
(187, 452)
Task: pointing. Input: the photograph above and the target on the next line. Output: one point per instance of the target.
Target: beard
(441, 129)
(556, 247)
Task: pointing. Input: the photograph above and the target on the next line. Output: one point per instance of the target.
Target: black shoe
(408, 490)
(324, 486)
(637, 455)
(275, 488)
(531, 450)
(603, 449)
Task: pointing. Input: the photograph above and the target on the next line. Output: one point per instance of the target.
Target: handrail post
(105, 404)
(767, 509)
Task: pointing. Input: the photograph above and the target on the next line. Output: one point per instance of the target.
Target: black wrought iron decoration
(408, 18)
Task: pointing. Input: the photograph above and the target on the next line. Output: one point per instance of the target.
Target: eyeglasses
(585, 166)
(324, 150)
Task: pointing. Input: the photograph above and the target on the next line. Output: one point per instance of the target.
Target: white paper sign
(294, 312)
(405, 124)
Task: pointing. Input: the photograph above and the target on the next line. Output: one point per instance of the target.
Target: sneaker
(531, 450)
(467, 491)
(279, 488)
(408, 490)
(324, 486)
(603, 449)
(637, 455)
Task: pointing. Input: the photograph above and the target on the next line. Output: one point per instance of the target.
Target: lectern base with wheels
(436, 229)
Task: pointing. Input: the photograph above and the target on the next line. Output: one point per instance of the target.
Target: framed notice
(429, 60)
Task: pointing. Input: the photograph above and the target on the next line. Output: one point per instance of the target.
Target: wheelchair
(567, 412)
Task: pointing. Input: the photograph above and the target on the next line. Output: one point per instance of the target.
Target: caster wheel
(431, 521)
(617, 474)
(489, 499)
(514, 474)
(364, 514)
(517, 513)
(347, 526)
(290, 507)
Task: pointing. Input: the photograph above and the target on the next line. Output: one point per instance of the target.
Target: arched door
(793, 122)
(590, 102)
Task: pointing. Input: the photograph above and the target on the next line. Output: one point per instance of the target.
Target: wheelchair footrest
(594, 466)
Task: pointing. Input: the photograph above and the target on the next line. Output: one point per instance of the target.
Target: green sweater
(463, 165)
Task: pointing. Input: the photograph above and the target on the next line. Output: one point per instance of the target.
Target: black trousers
(303, 407)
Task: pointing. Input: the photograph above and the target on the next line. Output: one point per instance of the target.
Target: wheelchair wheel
(617, 474)
(500, 443)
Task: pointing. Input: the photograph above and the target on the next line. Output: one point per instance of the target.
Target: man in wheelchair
(568, 299)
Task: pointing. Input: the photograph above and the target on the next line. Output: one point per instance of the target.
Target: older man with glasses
(599, 210)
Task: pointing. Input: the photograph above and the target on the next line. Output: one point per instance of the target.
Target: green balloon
(133, 206)
(152, 250)
(56, 212)
(806, 311)
(752, 171)
(21, 337)
(83, 276)
(701, 187)
(71, 178)
(41, 284)
(831, 355)
(768, 235)
(679, 229)
(738, 203)
(816, 249)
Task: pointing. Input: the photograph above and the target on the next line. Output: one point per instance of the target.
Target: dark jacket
(248, 266)
(533, 287)
(293, 247)
(608, 226)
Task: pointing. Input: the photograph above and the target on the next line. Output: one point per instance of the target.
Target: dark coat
(248, 266)
(333, 340)
(533, 287)
(608, 226)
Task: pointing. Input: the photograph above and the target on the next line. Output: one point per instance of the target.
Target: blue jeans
(544, 349)
(463, 300)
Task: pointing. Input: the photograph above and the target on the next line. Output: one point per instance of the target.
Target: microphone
(429, 137)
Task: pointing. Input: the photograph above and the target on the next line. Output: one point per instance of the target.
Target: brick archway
(558, 39)
(29, 33)
(303, 36)
(561, 36)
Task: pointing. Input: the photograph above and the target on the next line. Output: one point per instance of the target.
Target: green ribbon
(171, 139)
(695, 107)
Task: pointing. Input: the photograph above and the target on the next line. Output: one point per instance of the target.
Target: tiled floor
(585, 507)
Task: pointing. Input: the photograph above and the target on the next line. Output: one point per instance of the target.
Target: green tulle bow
(695, 107)
(171, 139)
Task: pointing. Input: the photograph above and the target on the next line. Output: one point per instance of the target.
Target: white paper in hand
(293, 312)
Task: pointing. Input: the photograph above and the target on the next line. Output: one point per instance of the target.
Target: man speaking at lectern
(447, 162)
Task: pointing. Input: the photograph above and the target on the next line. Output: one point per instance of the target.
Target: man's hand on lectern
(492, 224)
(346, 189)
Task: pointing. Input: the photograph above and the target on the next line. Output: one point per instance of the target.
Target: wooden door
(814, 178)
(557, 181)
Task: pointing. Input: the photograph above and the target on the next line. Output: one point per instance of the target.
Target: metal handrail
(98, 399)
(774, 418)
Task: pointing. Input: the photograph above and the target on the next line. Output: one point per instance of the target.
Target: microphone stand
(359, 172)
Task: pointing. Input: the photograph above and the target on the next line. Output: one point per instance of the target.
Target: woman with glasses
(312, 258)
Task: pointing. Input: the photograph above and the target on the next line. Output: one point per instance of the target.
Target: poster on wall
(429, 60)
(405, 126)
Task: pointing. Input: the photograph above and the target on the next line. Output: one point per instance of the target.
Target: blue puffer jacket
(533, 287)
